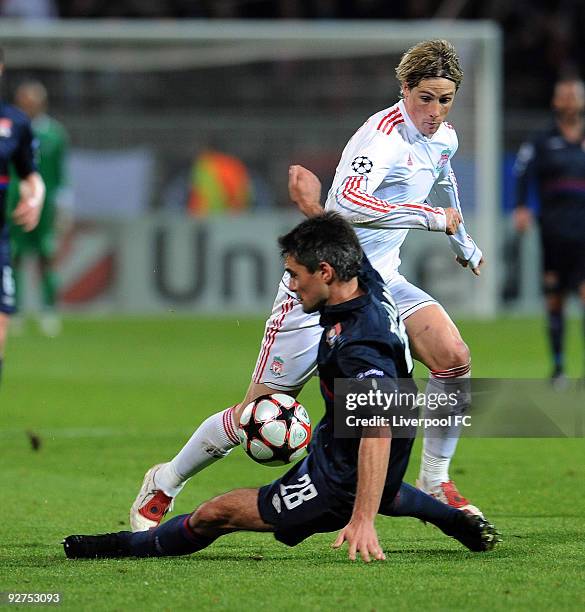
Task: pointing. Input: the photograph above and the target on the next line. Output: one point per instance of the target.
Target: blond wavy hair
(429, 59)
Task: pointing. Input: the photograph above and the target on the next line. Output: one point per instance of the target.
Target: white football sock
(440, 442)
(212, 440)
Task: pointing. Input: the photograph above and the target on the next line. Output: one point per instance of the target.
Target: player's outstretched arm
(445, 193)
(360, 533)
(32, 195)
(305, 191)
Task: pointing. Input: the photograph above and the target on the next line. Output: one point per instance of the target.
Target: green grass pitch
(111, 397)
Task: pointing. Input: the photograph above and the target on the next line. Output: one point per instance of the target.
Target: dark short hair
(327, 238)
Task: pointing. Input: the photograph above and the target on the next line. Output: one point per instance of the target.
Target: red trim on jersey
(269, 339)
(4, 180)
(390, 121)
(397, 122)
(448, 125)
(393, 115)
(354, 194)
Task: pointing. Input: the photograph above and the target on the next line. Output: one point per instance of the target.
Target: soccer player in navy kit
(342, 483)
(16, 148)
(555, 160)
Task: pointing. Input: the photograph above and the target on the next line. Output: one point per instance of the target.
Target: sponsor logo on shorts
(277, 366)
(277, 503)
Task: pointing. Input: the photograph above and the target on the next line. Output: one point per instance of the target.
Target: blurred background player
(17, 149)
(31, 98)
(554, 162)
(397, 161)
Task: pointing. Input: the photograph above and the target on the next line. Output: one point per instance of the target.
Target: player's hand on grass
(452, 221)
(304, 189)
(361, 537)
(465, 264)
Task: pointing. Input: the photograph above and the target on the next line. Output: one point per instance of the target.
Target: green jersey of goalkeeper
(41, 243)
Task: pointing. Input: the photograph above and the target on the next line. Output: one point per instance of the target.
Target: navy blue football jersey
(358, 342)
(17, 147)
(557, 168)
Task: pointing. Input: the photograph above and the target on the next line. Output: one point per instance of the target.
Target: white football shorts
(288, 353)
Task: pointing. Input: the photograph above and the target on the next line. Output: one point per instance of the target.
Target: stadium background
(141, 110)
(83, 414)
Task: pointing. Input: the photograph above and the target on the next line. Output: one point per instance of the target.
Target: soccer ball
(274, 429)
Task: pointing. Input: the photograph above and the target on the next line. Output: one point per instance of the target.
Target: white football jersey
(391, 179)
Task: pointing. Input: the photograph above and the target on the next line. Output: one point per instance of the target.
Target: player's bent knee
(211, 514)
(235, 510)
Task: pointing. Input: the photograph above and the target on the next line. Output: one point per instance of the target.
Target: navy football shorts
(565, 256)
(304, 501)
(7, 287)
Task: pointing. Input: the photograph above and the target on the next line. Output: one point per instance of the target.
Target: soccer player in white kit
(394, 175)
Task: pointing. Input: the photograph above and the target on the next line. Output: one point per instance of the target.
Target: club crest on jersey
(277, 366)
(362, 165)
(445, 153)
(5, 128)
(333, 334)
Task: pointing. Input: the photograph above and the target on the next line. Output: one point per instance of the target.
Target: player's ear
(327, 272)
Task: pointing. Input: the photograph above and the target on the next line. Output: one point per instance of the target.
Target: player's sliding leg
(471, 530)
(181, 535)
(285, 363)
(436, 342)
(239, 510)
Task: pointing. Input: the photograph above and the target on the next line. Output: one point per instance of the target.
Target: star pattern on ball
(362, 165)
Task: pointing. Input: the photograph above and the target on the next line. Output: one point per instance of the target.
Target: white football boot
(151, 504)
